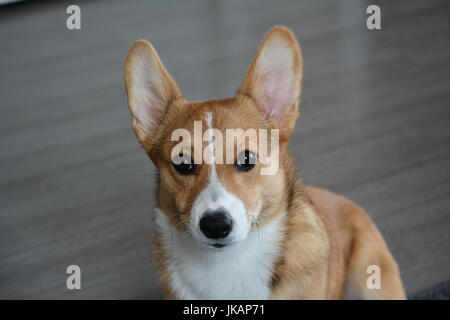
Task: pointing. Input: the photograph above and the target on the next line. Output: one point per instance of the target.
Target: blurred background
(75, 188)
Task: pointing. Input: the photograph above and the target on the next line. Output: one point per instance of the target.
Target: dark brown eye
(246, 161)
(183, 164)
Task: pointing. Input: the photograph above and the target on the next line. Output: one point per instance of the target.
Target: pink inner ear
(275, 91)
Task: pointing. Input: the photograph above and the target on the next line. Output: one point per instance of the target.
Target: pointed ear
(274, 79)
(150, 90)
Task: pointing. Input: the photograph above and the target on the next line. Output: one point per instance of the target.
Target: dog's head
(215, 182)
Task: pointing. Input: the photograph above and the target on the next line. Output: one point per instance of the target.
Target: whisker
(258, 228)
(174, 229)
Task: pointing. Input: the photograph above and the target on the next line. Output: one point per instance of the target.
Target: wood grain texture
(75, 188)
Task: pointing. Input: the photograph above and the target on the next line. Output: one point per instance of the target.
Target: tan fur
(329, 241)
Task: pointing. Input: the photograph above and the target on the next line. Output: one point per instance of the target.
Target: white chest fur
(242, 271)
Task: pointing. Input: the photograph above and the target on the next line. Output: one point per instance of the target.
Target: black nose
(216, 224)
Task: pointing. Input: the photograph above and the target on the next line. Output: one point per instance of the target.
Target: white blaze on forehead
(214, 187)
(214, 182)
(210, 156)
(210, 137)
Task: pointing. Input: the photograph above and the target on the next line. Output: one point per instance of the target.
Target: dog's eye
(246, 161)
(183, 164)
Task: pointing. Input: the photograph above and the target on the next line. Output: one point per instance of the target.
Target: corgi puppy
(224, 230)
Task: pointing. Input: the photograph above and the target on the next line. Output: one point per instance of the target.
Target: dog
(227, 231)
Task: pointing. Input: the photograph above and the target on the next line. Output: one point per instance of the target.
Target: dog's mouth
(219, 245)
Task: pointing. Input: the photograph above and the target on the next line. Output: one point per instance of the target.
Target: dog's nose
(216, 224)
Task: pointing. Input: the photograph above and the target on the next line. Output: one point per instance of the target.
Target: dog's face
(215, 182)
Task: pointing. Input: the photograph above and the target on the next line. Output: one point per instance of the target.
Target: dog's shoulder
(338, 212)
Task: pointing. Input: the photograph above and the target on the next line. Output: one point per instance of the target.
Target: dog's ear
(274, 79)
(150, 90)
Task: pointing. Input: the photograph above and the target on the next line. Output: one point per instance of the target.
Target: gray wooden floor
(76, 189)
